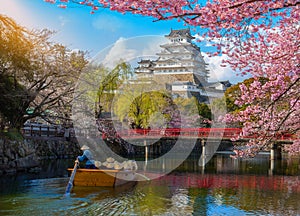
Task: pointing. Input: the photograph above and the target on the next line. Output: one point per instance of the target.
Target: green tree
(195, 113)
(97, 88)
(204, 111)
(15, 47)
(111, 81)
(11, 98)
(141, 107)
(36, 75)
(234, 92)
(218, 107)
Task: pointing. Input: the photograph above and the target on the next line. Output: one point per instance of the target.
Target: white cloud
(109, 23)
(152, 45)
(218, 73)
(203, 41)
(119, 51)
(130, 50)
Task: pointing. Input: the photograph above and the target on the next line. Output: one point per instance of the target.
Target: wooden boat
(102, 177)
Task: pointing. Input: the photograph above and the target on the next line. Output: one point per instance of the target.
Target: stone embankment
(25, 155)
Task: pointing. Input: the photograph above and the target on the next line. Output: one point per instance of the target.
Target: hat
(117, 165)
(84, 147)
(98, 164)
(110, 165)
(110, 160)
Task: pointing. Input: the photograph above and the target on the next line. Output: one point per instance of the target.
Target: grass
(12, 134)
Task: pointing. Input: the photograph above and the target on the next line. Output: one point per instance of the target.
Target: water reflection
(222, 163)
(226, 187)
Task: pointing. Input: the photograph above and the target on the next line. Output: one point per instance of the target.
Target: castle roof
(180, 32)
(144, 61)
(226, 84)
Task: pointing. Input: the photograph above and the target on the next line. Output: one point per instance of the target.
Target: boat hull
(102, 178)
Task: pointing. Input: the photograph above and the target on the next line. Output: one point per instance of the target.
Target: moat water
(225, 187)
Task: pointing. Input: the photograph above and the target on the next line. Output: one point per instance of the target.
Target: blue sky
(78, 29)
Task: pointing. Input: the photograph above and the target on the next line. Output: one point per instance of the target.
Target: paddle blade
(70, 183)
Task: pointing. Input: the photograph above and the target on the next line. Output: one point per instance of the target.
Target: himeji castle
(180, 66)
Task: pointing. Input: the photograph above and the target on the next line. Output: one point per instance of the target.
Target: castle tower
(181, 68)
(145, 69)
(180, 60)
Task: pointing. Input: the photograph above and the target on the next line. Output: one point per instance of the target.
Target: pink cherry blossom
(262, 39)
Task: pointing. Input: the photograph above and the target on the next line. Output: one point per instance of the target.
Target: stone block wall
(25, 155)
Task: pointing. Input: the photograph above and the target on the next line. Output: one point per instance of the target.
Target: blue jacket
(87, 155)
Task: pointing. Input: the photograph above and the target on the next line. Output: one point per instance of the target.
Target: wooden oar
(70, 183)
(143, 176)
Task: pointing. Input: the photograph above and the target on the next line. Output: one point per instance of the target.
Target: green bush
(12, 134)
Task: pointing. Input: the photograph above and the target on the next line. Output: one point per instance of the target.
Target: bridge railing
(33, 130)
(227, 133)
(176, 132)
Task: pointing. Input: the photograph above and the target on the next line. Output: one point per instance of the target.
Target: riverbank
(25, 154)
(18, 153)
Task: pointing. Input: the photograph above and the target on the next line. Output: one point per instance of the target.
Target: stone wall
(25, 155)
(170, 78)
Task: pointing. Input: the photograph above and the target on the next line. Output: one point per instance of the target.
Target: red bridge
(217, 133)
(47, 131)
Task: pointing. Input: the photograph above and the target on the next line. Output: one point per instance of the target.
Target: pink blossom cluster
(273, 102)
(260, 38)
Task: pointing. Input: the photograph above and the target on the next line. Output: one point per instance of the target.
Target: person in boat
(88, 157)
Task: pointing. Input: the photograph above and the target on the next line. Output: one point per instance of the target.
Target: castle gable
(181, 66)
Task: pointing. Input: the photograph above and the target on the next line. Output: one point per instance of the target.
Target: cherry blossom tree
(37, 77)
(260, 38)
